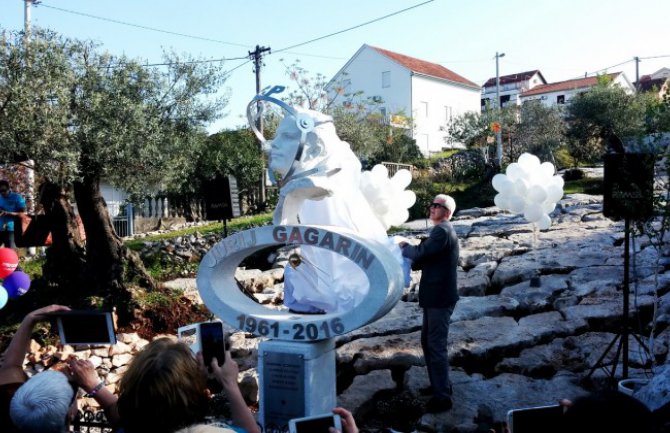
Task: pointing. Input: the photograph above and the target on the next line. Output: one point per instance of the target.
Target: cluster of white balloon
(530, 188)
(388, 197)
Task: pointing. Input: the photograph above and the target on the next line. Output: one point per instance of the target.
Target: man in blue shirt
(12, 204)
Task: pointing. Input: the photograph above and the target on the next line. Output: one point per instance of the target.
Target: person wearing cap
(437, 258)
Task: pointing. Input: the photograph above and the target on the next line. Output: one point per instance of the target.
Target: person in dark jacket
(437, 257)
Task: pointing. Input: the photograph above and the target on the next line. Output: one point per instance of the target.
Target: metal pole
(26, 18)
(256, 56)
(626, 302)
(637, 74)
(498, 107)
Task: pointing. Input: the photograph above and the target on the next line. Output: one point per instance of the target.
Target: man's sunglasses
(437, 205)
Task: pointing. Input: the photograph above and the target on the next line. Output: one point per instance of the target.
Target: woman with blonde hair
(165, 390)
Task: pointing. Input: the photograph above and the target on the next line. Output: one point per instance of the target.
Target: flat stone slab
(474, 396)
(363, 388)
(474, 307)
(535, 299)
(376, 353)
(405, 317)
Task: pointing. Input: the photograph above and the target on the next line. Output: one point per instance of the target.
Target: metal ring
(222, 296)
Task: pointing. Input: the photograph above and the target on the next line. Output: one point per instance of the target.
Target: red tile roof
(426, 68)
(579, 83)
(512, 78)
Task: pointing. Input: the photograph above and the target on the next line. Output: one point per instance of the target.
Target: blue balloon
(3, 297)
(17, 284)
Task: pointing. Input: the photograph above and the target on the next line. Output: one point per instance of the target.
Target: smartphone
(315, 424)
(85, 327)
(546, 419)
(212, 342)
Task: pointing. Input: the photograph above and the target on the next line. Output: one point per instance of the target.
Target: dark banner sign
(222, 201)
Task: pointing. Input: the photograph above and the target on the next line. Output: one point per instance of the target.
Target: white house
(561, 92)
(658, 82)
(511, 86)
(431, 93)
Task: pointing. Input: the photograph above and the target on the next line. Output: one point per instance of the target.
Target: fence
(393, 167)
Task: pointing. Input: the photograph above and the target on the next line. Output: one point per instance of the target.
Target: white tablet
(315, 424)
(85, 327)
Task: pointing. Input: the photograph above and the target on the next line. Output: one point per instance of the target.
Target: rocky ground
(512, 343)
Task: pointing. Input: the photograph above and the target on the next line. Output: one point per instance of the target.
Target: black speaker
(222, 200)
(628, 185)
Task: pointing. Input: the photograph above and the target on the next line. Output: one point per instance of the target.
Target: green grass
(33, 266)
(234, 225)
(590, 185)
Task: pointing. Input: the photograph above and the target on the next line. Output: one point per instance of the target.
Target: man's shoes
(439, 405)
(428, 390)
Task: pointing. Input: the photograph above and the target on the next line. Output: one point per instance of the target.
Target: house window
(447, 113)
(484, 102)
(504, 100)
(386, 79)
(560, 99)
(382, 110)
(423, 108)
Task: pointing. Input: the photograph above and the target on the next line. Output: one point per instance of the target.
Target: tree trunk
(65, 267)
(114, 268)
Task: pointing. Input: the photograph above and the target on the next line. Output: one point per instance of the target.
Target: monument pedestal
(297, 379)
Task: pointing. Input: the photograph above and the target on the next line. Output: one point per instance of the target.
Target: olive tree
(83, 115)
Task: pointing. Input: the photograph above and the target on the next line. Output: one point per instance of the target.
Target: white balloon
(521, 187)
(544, 222)
(529, 162)
(408, 198)
(533, 212)
(554, 193)
(537, 194)
(516, 204)
(548, 207)
(498, 181)
(502, 201)
(380, 171)
(547, 169)
(558, 181)
(514, 171)
(402, 179)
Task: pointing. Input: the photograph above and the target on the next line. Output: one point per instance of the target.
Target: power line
(193, 62)
(139, 26)
(352, 28)
(655, 57)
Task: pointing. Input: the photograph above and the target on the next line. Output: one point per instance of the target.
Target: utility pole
(257, 56)
(498, 108)
(30, 164)
(26, 18)
(637, 73)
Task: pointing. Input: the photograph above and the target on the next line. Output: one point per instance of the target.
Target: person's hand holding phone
(347, 419)
(226, 373)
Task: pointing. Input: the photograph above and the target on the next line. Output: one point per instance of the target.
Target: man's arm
(431, 246)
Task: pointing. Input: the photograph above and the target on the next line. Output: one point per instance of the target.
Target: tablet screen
(86, 328)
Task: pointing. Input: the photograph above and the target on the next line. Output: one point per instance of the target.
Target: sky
(563, 39)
